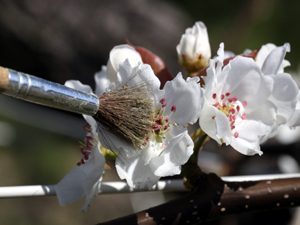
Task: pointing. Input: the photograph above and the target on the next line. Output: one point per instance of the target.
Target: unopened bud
(194, 48)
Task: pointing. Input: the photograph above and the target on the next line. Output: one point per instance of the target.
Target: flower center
(161, 123)
(232, 108)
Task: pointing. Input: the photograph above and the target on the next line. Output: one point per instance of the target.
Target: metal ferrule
(43, 92)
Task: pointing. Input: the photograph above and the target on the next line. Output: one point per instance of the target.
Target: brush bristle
(128, 113)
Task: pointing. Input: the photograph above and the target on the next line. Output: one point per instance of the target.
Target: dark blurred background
(67, 39)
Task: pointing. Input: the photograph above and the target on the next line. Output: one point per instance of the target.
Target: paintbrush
(127, 111)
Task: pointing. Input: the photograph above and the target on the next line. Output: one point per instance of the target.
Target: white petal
(202, 44)
(294, 121)
(284, 96)
(210, 79)
(265, 114)
(248, 140)
(142, 73)
(103, 84)
(75, 84)
(177, 152)
(82, 180)
(154, 148)
(214, 122)
(70, 188)
(263, 53)
(118, 55)
(136, 173)
(187, 96)
(187, 46)
(247, 83)
(246, 147)
(221, 53)
(93, 168)
(274, 60)
(214, 73)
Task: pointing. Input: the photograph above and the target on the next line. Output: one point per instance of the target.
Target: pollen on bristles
(128, 113)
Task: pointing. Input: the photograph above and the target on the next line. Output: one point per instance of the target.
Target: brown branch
(214, 198)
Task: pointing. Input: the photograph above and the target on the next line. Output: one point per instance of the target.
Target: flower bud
(118, 55)
(194, 48)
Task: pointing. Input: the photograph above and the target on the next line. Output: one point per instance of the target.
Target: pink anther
(173, 109)
(87, 128)
(244, 116)
(162, 101)
(236, 134)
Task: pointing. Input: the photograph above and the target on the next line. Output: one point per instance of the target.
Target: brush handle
(43, 92)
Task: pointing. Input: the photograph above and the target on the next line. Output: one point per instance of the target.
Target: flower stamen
(87, 145)
(161, 123)
(231, 107)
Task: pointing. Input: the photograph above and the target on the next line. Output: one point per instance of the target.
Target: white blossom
(242, 104)
(168, 145)
(270, 59)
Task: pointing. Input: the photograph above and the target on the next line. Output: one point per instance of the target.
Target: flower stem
(193, 173)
